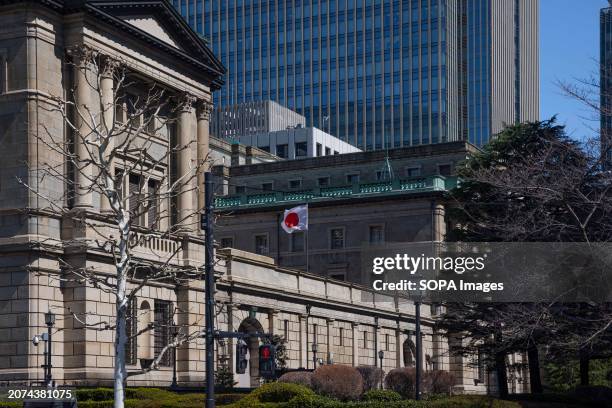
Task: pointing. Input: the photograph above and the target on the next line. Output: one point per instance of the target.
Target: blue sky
(569, 48)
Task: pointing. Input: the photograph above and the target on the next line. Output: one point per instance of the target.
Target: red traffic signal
(265, 352)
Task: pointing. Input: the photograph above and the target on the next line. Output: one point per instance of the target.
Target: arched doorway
(251, 376)
(409, 351)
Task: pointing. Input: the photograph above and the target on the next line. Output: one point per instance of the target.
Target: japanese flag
(295, 219)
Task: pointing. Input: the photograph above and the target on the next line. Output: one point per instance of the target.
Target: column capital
(354, 324)
(204, 109)
(330, 320)
(81, 54)
(186, 102)
(108, 66)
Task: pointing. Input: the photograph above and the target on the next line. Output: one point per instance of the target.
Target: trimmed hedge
(381, 395)
(148, 397)
(297, 377)
(338, 381)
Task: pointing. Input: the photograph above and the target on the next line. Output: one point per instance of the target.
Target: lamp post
(174, 384)
(47, 353)
(314, 349)
(381, 355)
(417, 313)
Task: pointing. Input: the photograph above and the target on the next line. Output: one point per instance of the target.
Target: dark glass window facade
(374, 73)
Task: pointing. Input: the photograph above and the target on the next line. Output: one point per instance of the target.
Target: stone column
(398, 348)
(272, 314)
(81, 58)
(330, 339)
(203, 114)
(439, 225)
(108, 107)
(303, 341)
(184, 165)
(355, 327)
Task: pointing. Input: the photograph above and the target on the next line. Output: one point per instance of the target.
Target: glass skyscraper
(605, 60)
(380, 72)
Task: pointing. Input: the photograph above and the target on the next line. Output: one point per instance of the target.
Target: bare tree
(115, 121)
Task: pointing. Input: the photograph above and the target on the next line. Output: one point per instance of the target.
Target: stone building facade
(354, 200)
(38, 37)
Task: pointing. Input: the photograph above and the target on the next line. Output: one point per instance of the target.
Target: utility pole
(209, 293)
(417, 312)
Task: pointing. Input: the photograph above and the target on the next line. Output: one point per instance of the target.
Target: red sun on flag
(292, 220)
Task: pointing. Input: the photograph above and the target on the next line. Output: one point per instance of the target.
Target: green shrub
(372, 377)
(226, 399)
(11, 404)
(297, 377)
(280, 392)
(402, 381)
(95, 394)
(381, 395)
(338, 381)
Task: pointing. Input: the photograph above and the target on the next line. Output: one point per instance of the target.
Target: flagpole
(307, 253)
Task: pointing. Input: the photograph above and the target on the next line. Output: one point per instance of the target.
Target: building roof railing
(355, 190)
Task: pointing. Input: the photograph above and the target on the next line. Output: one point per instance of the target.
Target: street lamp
(381, 355)
(175, 332)
(314, 349)
(418, 295)
(46, 337)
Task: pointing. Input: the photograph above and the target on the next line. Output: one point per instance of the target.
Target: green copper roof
(395, 187)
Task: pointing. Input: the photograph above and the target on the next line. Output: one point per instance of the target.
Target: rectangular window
(282, 151)
(365, 339)
(152, 200)
(227, 242)
(444, 169)
(341, 336)
(297, 241)
(267, 186)
(481, 365)
(240, 189)
(376, 234)
(295, 184)
(131, 347)
(413, 172)
(135, 199)
(336, 238)
(352, 178)
(336, 152)
(327, 151)
(261, 244)
(387, 342)
(162, 330)
(319, 149)
(286, 329)
(323, 181)
(301, 149)
(315, 328)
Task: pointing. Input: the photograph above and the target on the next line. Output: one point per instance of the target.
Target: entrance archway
(251, 376)
(409, 351)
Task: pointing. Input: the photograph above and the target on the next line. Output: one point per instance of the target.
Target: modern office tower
(274, 129)
(380, 72)
(605, 50)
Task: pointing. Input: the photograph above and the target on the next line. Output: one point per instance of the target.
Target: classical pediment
(155, 22)
(153, 27)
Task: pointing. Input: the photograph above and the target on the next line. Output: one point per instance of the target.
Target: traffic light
(267, 361)
(241, 356)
